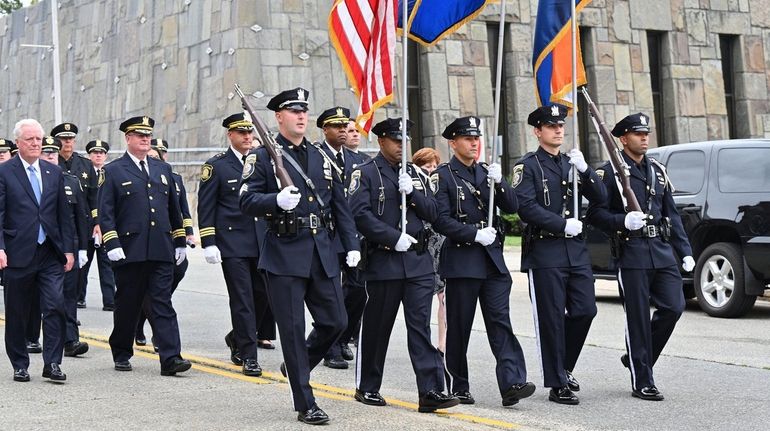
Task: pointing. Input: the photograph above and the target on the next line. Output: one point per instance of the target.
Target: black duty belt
(649, 231)
(544, 234)
(311, 222)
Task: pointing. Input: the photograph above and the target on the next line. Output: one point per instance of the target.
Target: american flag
(364, 34)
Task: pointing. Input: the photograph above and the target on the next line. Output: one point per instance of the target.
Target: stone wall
(177, 61)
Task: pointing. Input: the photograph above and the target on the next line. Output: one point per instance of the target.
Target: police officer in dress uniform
(230, 239)
(353, 143)
(298, 259)
(160, 150)
(76, 199)
(6, 148)
(645, 248)
(472, 263)
(561, 283)
(399, 269)
(74, 163)
(334, 123)
(97, 151)
(142, 223)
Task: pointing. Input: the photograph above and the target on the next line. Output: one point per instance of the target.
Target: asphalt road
(714, 374)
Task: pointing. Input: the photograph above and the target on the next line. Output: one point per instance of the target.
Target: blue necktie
(36, 188)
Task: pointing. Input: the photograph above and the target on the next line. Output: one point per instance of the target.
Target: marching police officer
(472, 263)
(400, 269)
(76, 200)
(97, 151)
(142, 223)
(230, 239)
(301, 266)
(334, 123)
(645, 248)
(554, 253)
(353, 142)
(74, 163)
(6, 148)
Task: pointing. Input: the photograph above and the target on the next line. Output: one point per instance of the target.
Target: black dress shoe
(465, 397)
(75, 348)
(435, 400)
(34, 347)
(347, 354)
(518, 392)
(265, 344)
(624, 360)
(337, 363)
(314, 416)
(563, 396)
(123, 366)
(81, 304)
(177, 365)
(370, 398)
(648, 393)
(235, 354)
(53, 372)
(20, 375)
(572, 382)
(108, 307)
(140, 340)
(251, 368)
(283, 370)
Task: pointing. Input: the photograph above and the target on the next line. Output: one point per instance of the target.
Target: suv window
(687, 170)
(744, 170)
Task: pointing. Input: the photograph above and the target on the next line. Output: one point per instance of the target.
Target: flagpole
(574, 111)
(498, 96)
(404, 106)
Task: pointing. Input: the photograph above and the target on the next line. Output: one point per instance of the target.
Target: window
(413, 94)
(741, 170)
(687, 170)
(493, 37)
(655, 51)
(728, 45)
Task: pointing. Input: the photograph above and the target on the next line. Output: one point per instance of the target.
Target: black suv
(723, 196)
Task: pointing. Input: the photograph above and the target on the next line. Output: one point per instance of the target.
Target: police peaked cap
(97, 145)
(336, 115)
(633, 123)
(159, 144)
(295, 99)
(391, 128)
(463, 126)
(141, 125)
(64, 130)
(238, 122)
(51, 145)
(553, 114)
(7, 145)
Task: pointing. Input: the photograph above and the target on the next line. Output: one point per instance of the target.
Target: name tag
(232, 181)
(127, 183)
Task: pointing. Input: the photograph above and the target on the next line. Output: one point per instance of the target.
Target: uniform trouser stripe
(628, 338)
(360, 343)
(533, 299)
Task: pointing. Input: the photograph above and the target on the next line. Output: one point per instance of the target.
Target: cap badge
(145, 121)
(300, 94)
(98, 143)
(67, 127)
(554, 111)
(49, 140)
(339, 112)
(472, 120)
(643, 120)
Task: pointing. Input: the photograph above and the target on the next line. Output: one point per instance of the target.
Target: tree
(8, 6)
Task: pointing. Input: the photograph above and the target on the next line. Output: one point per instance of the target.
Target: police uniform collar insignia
(554, 111)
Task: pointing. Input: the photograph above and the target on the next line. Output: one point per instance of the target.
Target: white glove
(577, 160)
(288, 198)
(573, 227)
(486, 236)
(688, 264)
(404, 242)
(405, 184)
(82, 258)
(635, 220)
(180, 254)
(116, 254)
(495, 173)
(212, 254)
(352, 259)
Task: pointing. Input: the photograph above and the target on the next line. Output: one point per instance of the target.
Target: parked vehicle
(723, 195)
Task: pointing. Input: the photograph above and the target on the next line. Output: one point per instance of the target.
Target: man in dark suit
(36, 249)
(143, 232)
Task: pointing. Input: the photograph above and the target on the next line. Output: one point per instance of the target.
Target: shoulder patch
(206, 171)
(101, 178)
(248, 165)
(600, 173)
(518, 175)
(355, 182)
(434, 182)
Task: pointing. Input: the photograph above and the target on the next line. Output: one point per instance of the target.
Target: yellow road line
(228, 370)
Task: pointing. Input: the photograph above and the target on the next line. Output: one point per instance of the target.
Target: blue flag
(432, 20)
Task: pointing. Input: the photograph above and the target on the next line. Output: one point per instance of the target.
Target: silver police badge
(355, 181)
(163, 179)
(600, 173)
(248, 166)
(518, 175)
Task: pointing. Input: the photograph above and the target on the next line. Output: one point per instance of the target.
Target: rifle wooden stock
(621, 168)
(267, 141)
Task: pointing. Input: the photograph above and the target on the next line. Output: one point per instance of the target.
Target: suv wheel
(719, 281)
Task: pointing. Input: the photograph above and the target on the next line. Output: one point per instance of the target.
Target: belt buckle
(313, 221)
(566, 235)
(651, 230)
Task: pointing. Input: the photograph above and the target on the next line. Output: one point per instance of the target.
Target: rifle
(621, 168)
(267, 141)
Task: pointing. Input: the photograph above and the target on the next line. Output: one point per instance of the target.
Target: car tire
(719, 281)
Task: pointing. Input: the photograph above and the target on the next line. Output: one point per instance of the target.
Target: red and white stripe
(364, 34)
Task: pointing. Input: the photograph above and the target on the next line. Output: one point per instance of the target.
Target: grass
(513, 241)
